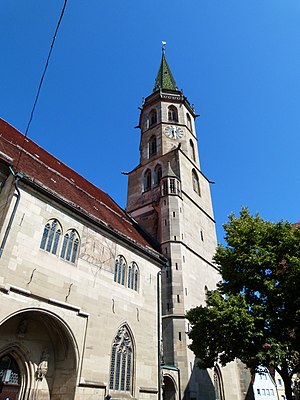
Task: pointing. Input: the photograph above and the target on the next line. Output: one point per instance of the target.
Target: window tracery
(121, 366)
(51, 241)
(70, 246)
(51, 235)
(120, 270)
(133, 276)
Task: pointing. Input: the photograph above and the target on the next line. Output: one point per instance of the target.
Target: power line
(43, 75)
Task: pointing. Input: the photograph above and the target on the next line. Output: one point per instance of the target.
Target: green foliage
(220, 328)
(254, 314)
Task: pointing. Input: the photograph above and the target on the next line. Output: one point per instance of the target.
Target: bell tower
(169, 196)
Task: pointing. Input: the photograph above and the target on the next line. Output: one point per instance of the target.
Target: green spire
(164, 78)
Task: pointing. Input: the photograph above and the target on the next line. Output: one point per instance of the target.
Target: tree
(254, 314)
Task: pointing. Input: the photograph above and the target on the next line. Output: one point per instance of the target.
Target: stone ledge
(93, 385)
(16, 289)
(148, 390)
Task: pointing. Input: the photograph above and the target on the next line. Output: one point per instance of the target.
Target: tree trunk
(287, 380)
(288, 389)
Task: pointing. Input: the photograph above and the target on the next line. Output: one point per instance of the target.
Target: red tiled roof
(48, 172)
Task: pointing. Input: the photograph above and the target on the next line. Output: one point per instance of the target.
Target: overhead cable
(43, 75)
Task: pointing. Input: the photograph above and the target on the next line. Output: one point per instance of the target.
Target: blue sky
(238, 61)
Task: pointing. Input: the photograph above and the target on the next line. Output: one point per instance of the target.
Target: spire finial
(163, 48)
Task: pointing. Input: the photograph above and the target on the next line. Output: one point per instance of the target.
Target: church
(93, 297)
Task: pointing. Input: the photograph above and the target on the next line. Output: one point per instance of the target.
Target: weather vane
(163, 46)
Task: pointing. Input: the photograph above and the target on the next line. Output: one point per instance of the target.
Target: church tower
(169, 196)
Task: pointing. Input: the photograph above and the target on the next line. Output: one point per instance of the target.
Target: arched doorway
(40, 350)
(9, 378)
(169, 390)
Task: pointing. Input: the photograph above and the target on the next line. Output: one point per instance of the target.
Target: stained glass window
(51, 236)
(133, 276)
(70, 246)
(121, 361)
(120, 270)
(129, 275)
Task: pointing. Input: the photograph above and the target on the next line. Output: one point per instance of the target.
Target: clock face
(174, 132)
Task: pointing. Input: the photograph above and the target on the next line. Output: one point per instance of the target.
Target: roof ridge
(47, 173)
(72, 183)
(47, 153)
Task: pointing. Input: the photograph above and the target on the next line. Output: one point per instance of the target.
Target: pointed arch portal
(38, 357)
(169, 389)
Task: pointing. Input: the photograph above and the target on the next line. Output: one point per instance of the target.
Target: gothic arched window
(172, 114)
(152, 146)
(192, 150)
(51, 235)
(122, 358)
(157, 174)
(70, 246)
(133, 276)
(189, 122)
(147, 180)
(120, 270)
(153, 117)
